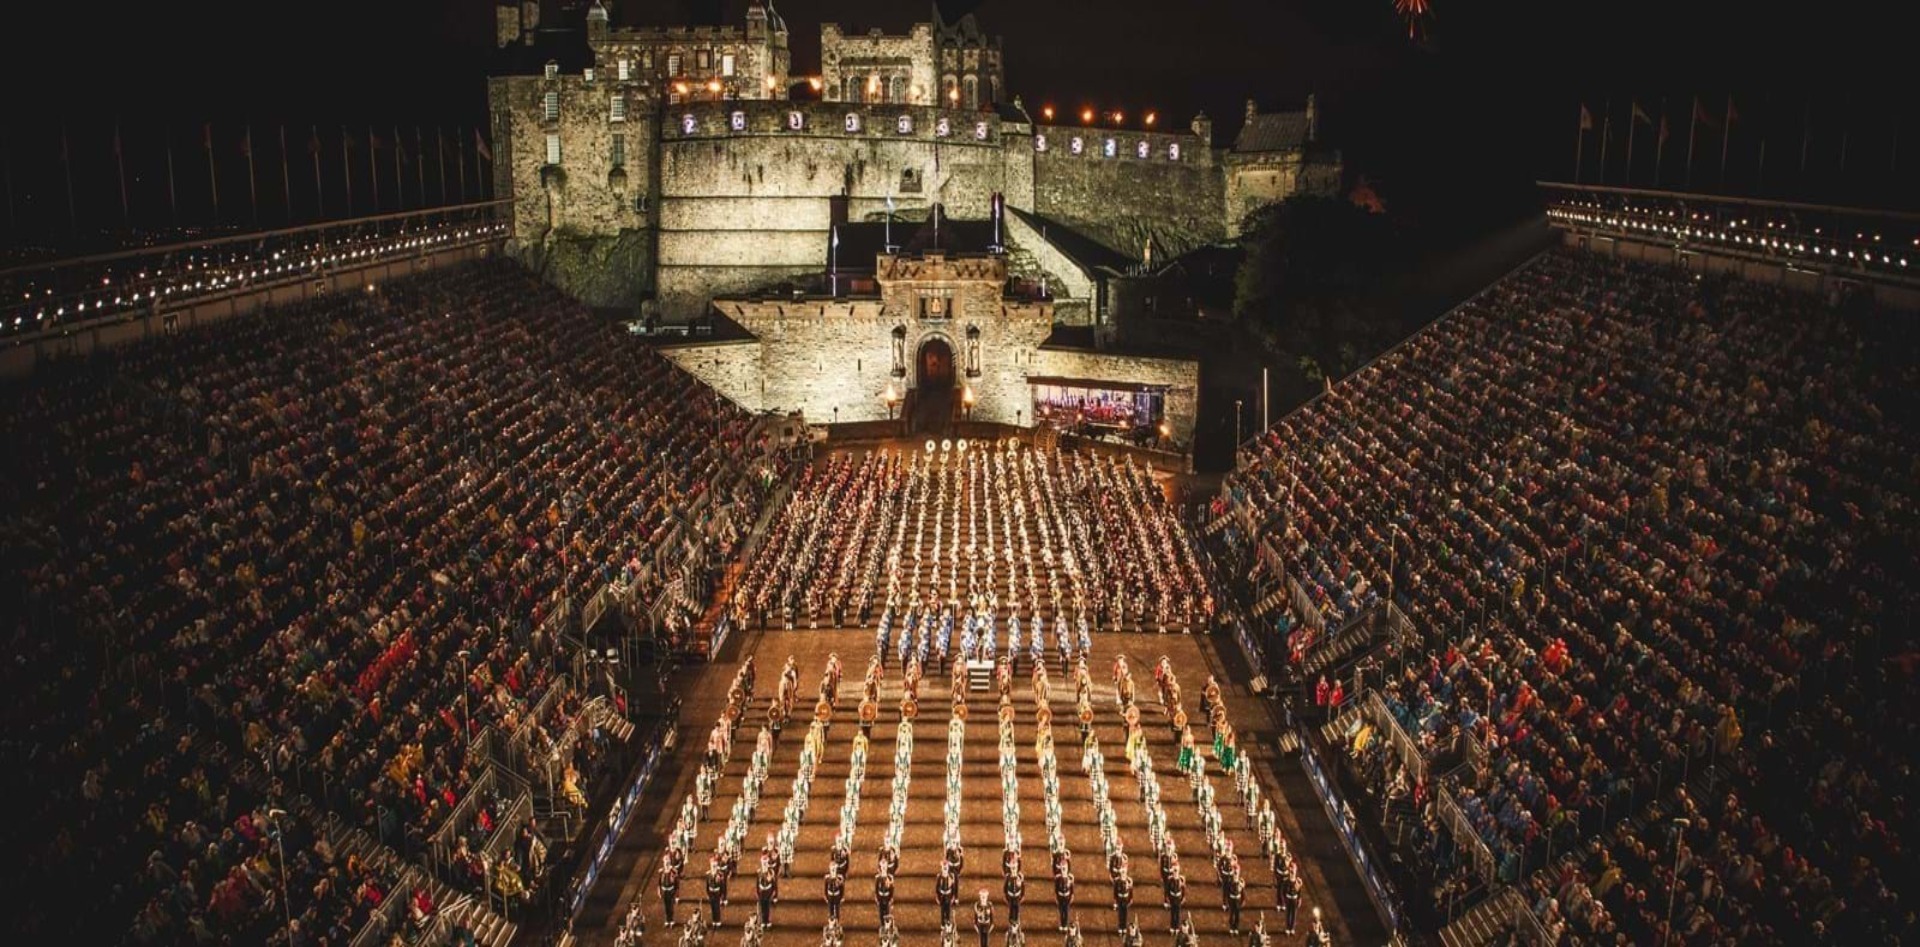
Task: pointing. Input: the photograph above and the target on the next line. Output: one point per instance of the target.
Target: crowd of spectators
(292, 563)
(1656, 535)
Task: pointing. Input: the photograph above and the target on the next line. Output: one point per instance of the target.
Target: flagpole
(253, 189)
(373, 166)
(399, 188)
(66, 163)
(1760, 173)
(6, 169)
(120, 168)
(1606, 133)
(346, 167)
(213, 167)
(1806, 135)
(1693, 127)
(173, 203)
(1579, 141)
(319, 183)
(1633, 125)
(1726, 136)
(1660, 142)
(462, 145)
(286, 177)
(440, 157)
(419, 166)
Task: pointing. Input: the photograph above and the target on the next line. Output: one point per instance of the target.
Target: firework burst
(1416, 14)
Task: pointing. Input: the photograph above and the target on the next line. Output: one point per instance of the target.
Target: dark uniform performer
(716, 892)
(669, 892)
(946, 889)
(1290, 896)
(836, 892)
(1063, 895)
(883, 895)
(768, 889)
(1176, 899)
(1122, 898)
(1016, 888)
(1232, 890)
(983, 916)
(838, 859)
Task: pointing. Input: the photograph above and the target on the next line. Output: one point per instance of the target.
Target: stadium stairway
(1334, 651)
(1484, 922)
(489, 928)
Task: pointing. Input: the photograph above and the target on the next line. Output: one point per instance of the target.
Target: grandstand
(1651, 539)
(294, 594)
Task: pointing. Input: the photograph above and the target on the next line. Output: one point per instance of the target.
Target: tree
(1306, 285)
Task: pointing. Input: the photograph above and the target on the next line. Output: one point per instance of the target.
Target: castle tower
(597, 24)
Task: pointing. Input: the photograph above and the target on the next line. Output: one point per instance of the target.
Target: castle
(685, 170)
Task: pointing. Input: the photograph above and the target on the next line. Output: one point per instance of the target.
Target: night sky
(1449, 129)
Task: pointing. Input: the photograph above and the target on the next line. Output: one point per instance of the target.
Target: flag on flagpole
(286, 176)
(480, 146)
(1640, 114)
(1586, 118)
(1580, 140)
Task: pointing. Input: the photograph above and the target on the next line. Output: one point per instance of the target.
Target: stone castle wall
(743, 207)
(1108, 191)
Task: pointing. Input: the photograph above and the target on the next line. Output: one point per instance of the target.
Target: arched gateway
(933, 383)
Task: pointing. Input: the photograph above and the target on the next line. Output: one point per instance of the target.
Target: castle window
(853, 122)
(910, 180)
(587, 74)
(553, 148)
(904, 125)
(737, 121)
(550, 106)
(1173, 151)
(673, 64)
(618, 108)
(972, 92)
(689, 124)
(897, 89)
(646, 60)
(620, 151)
(726, 64)
(1039, 142)
(949, 91)
(625, 69)
(703, 59)
(1142, 149)
(553, 70)
(1076, 146)
(936, 305)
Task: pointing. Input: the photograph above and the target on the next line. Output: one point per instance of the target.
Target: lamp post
(275, 817)
(1236, 423)
(892, 398)
(466, 684)
(1673, 888)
